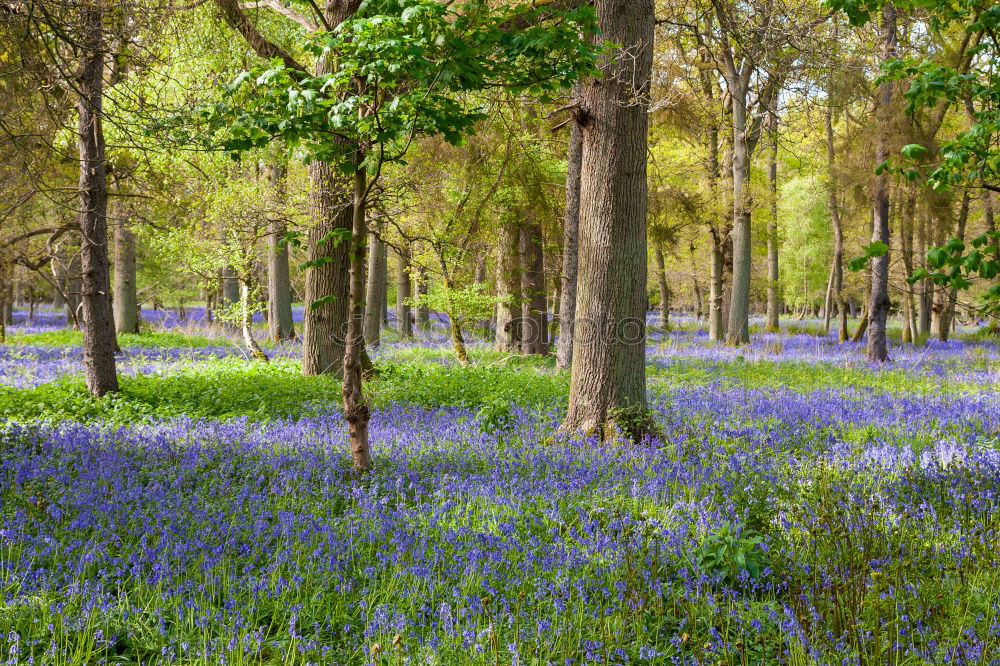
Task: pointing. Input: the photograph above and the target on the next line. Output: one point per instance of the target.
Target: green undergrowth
(803, 376)
(70, 338)
(230, 388)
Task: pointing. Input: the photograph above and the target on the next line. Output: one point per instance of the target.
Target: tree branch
(266, 49)
(280, 8)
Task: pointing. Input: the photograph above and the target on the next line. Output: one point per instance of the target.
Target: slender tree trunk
(99, 342)
(356, 410)
(828, 301)
(126, 300)
(737, 329)
(773, 295)
(926, 291)
(534, 311)
(571, 234)
(403, 324)
(878, 306)
(327, 283)
(246, 324)
(906, 247)
(699, 305)
(74, 290)
(423, 312)
(508, 288)
(377, 275)
(715, 295)
(661, 279)
(609, 369)
(4, 277)
(949, 296)
(862, 328)
(279, 285)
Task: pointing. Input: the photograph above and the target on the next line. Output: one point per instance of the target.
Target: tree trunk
(878, 306)
(838, 231)
(279, 285)
(715, 295)
(126, 300)
(356, 410)
(74, 290)
(508, 288)
(906, 247)
(571, 234)
(246, 324)
(377, 270)
(699, 306)
(534, 310)
(423, 312)
(99, 342)
(327, 283)
(926, 290)
(773, 295)
(661, 279)
(949, 296)
(859, 333)
(403, 323)
(608, 384)
(4, 277)
(737, 328)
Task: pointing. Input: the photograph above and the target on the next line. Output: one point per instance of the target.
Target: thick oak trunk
(608, 384)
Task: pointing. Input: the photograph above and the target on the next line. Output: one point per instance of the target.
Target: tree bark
(661, 279)
(906, 248)
(608, 385)
(327, 283)
(246, 325)
(373, 306)
(878, 305)
(125, 304)
(356, 410)
(715, 297)
(534, 310)
(949, 297)
(833, 197)
(279, 285)
(99, 342)
(926, 291)
(571, 234)
(773, 295)
(403, 285)
(423, 312)
(508, 288)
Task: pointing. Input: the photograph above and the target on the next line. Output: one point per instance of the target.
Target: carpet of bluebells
(799, 506)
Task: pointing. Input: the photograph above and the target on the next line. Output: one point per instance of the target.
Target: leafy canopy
(972, 157)
(399, 69)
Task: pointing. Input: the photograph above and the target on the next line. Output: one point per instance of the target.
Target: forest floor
(800, 506)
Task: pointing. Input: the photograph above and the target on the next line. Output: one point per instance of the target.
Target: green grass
(70, 338)
(804, 376)
(230, 388)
